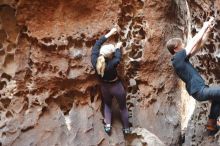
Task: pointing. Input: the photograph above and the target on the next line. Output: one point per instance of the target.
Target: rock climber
(195, 85)
(105, 59)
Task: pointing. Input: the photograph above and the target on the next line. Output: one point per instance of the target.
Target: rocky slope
(49, 90)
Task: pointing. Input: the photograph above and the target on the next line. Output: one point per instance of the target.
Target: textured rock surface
(49, 94)
(207, 62)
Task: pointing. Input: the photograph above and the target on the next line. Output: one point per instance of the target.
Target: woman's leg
(120, 94)
(107, 100)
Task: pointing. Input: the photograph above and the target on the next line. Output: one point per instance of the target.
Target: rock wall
(207, 62)
(49, 90)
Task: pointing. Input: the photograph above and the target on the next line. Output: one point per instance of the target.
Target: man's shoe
(211, 126)
(218, 123)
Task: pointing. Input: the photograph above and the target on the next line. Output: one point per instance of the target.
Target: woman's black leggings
(110, 90)
(213, 94)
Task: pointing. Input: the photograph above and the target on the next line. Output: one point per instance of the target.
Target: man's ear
(175, 49)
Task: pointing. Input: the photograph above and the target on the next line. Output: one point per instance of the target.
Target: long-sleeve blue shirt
(186, 72)
(111, 64)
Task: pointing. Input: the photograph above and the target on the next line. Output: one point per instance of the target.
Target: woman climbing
(105, 60)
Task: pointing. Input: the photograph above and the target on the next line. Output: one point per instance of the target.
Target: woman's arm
(98, 44)
(116, 58)
(96, 49)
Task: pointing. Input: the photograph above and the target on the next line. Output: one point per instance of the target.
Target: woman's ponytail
(100, 65)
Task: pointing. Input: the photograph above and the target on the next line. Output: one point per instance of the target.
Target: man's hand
(209, 23)
(200, 38)
(118, 45)
(212, 23)
(113, 30)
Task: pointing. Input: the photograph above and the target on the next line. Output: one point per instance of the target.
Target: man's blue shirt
(187, 72)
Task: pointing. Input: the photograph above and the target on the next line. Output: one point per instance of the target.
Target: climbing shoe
(126, 131)
(211, 126)
(108, 128)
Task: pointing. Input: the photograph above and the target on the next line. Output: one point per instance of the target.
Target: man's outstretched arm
(201, 42)
(191, 47)
(111, 32)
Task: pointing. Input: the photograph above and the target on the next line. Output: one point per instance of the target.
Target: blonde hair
(100, 65)
(107, 50)
(172, 44)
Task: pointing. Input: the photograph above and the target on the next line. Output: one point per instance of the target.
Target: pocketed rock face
(207, 62)
(49, 91)
(152, 90)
